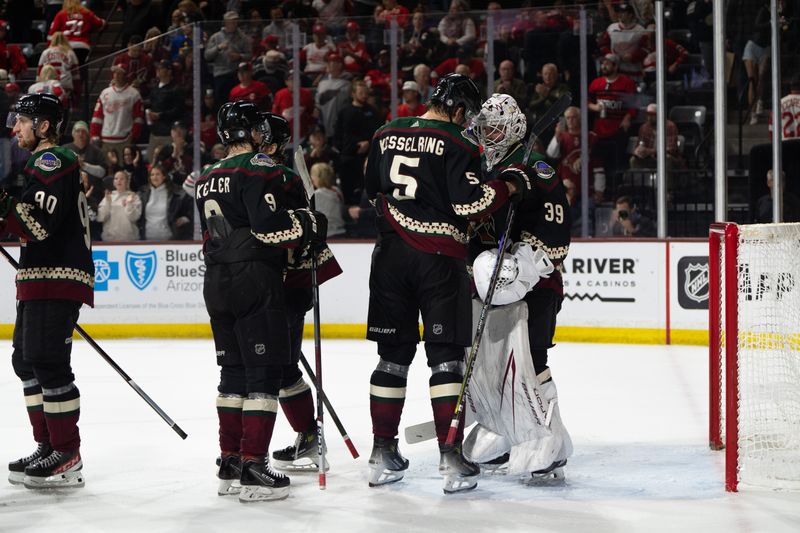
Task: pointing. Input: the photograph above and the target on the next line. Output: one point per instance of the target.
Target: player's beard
(27, 144)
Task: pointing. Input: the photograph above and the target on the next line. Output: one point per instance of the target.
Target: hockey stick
(334, 416)
(300, 166)
(558, 107)
(113, 364)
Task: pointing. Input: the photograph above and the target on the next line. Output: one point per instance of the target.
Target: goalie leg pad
(483, 445)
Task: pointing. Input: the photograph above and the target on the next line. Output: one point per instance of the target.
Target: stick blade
(420, 432)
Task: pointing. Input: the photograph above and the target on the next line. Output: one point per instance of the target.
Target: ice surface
(637, 414)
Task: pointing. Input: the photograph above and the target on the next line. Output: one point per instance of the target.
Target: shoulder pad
(262, 160)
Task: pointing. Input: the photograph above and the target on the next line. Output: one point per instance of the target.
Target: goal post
(754, 352)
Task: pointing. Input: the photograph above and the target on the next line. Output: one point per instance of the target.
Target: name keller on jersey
(432, 145)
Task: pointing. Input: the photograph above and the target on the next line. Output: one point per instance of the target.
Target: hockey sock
(298, 406)
(34, 403)
(387, 395)
(62, 408)
(258, 420)
(229, 412)
(444, 388)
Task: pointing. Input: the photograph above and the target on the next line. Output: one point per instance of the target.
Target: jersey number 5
(406, 188)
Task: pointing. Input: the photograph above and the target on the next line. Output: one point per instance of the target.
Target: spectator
(118, 115)
(328, 199)
(565, 147)
(278, 27)
(83, 148)
(629, 222)
(275, 69)
(332, 13)
(379, 78)
(153, 45)
(283, 106)
(133, 164)
(611, 96)
(644, 155)
(700, 22)
(47, 82)
(60, 56)
(333, 93)
(254, 25)
(674, 54)
(320, 151)
(217, 152)
(574, 200)
(411, 106)
(547, 92)
(113, 163)
(476, 68)
(422, 75)
(388, 11)
(224, 51)
(316, 54)
(175, 159)
(628, 40)
(790, 111)
(249, 89)
(208, 126)
(167, 211)
(138, 17)
(514, 87)
(457, 30)
(77, 23)
(11, 58)
(791, 203)
(356, 124)
(119, 211)
(166, 106)
(353, 50)
(181, 43)
(138, 64)
(421, 44)
(756, 61)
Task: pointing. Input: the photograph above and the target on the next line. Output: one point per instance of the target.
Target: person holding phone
(628, 222)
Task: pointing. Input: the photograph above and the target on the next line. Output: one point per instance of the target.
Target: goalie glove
(520, 272)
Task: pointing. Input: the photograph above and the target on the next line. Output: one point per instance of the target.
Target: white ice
(637, 414)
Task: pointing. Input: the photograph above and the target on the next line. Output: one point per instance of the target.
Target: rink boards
(615, 291)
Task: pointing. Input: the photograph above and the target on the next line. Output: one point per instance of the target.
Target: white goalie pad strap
(534, 454)
(521, 270)
(483, 444)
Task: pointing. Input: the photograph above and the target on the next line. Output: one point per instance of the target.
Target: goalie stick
(302, 170)
(548, 118)
(175, 427)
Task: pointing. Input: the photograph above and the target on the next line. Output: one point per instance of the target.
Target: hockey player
(423, 176)
(55, 276)
(248, 224)
(531, 274)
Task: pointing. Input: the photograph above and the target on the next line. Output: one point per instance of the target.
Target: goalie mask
(521, 270)
(499, 126)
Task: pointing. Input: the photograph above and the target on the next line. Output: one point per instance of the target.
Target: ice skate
(302, 456)
(230, 470)
(259, 482)
(386, 465)
(459, 474)
(16, 469)
(551, 476)
(57, 470)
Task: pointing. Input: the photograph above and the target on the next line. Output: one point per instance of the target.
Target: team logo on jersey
(262, 160)
(260, 349)
(693, 277)
(47, 162)
(543, 170)
(104, 270)
(141, 268)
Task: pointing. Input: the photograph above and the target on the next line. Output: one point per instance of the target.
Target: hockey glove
(521, 180)
(6, 201)
(315, 228)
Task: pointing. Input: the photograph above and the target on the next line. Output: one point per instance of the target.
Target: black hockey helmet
(456, 90)
(39, 107)
(235, 121)
(281, 132)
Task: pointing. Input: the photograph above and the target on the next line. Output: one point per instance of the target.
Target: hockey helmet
(236, 120)
(454, 91)
(499, 125)
(265, 131)
(39, 107)
(280, 130)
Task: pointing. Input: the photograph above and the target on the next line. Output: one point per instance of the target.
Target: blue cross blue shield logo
(141, 268)
(104, 270)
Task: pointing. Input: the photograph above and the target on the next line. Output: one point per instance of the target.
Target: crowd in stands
(136, 143)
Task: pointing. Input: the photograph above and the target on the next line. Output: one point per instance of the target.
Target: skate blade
(553, 478)
(67, 480)
(456, 484)
(229, 487)
(250, 494)
(301, 465)
(16, 478)
(378, 476)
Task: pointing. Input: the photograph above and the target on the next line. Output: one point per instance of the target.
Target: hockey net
(754, 348)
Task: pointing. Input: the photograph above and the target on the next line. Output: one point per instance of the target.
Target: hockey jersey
(52, 222)
(76, 27)
(617, 98)
(118, 115)
(66, 65)
(424, 177)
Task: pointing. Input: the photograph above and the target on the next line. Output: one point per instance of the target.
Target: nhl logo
(696, 282)
(260, 349)
(141, 268)
(437, 329)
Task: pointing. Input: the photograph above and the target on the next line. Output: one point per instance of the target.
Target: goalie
(512, 394)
